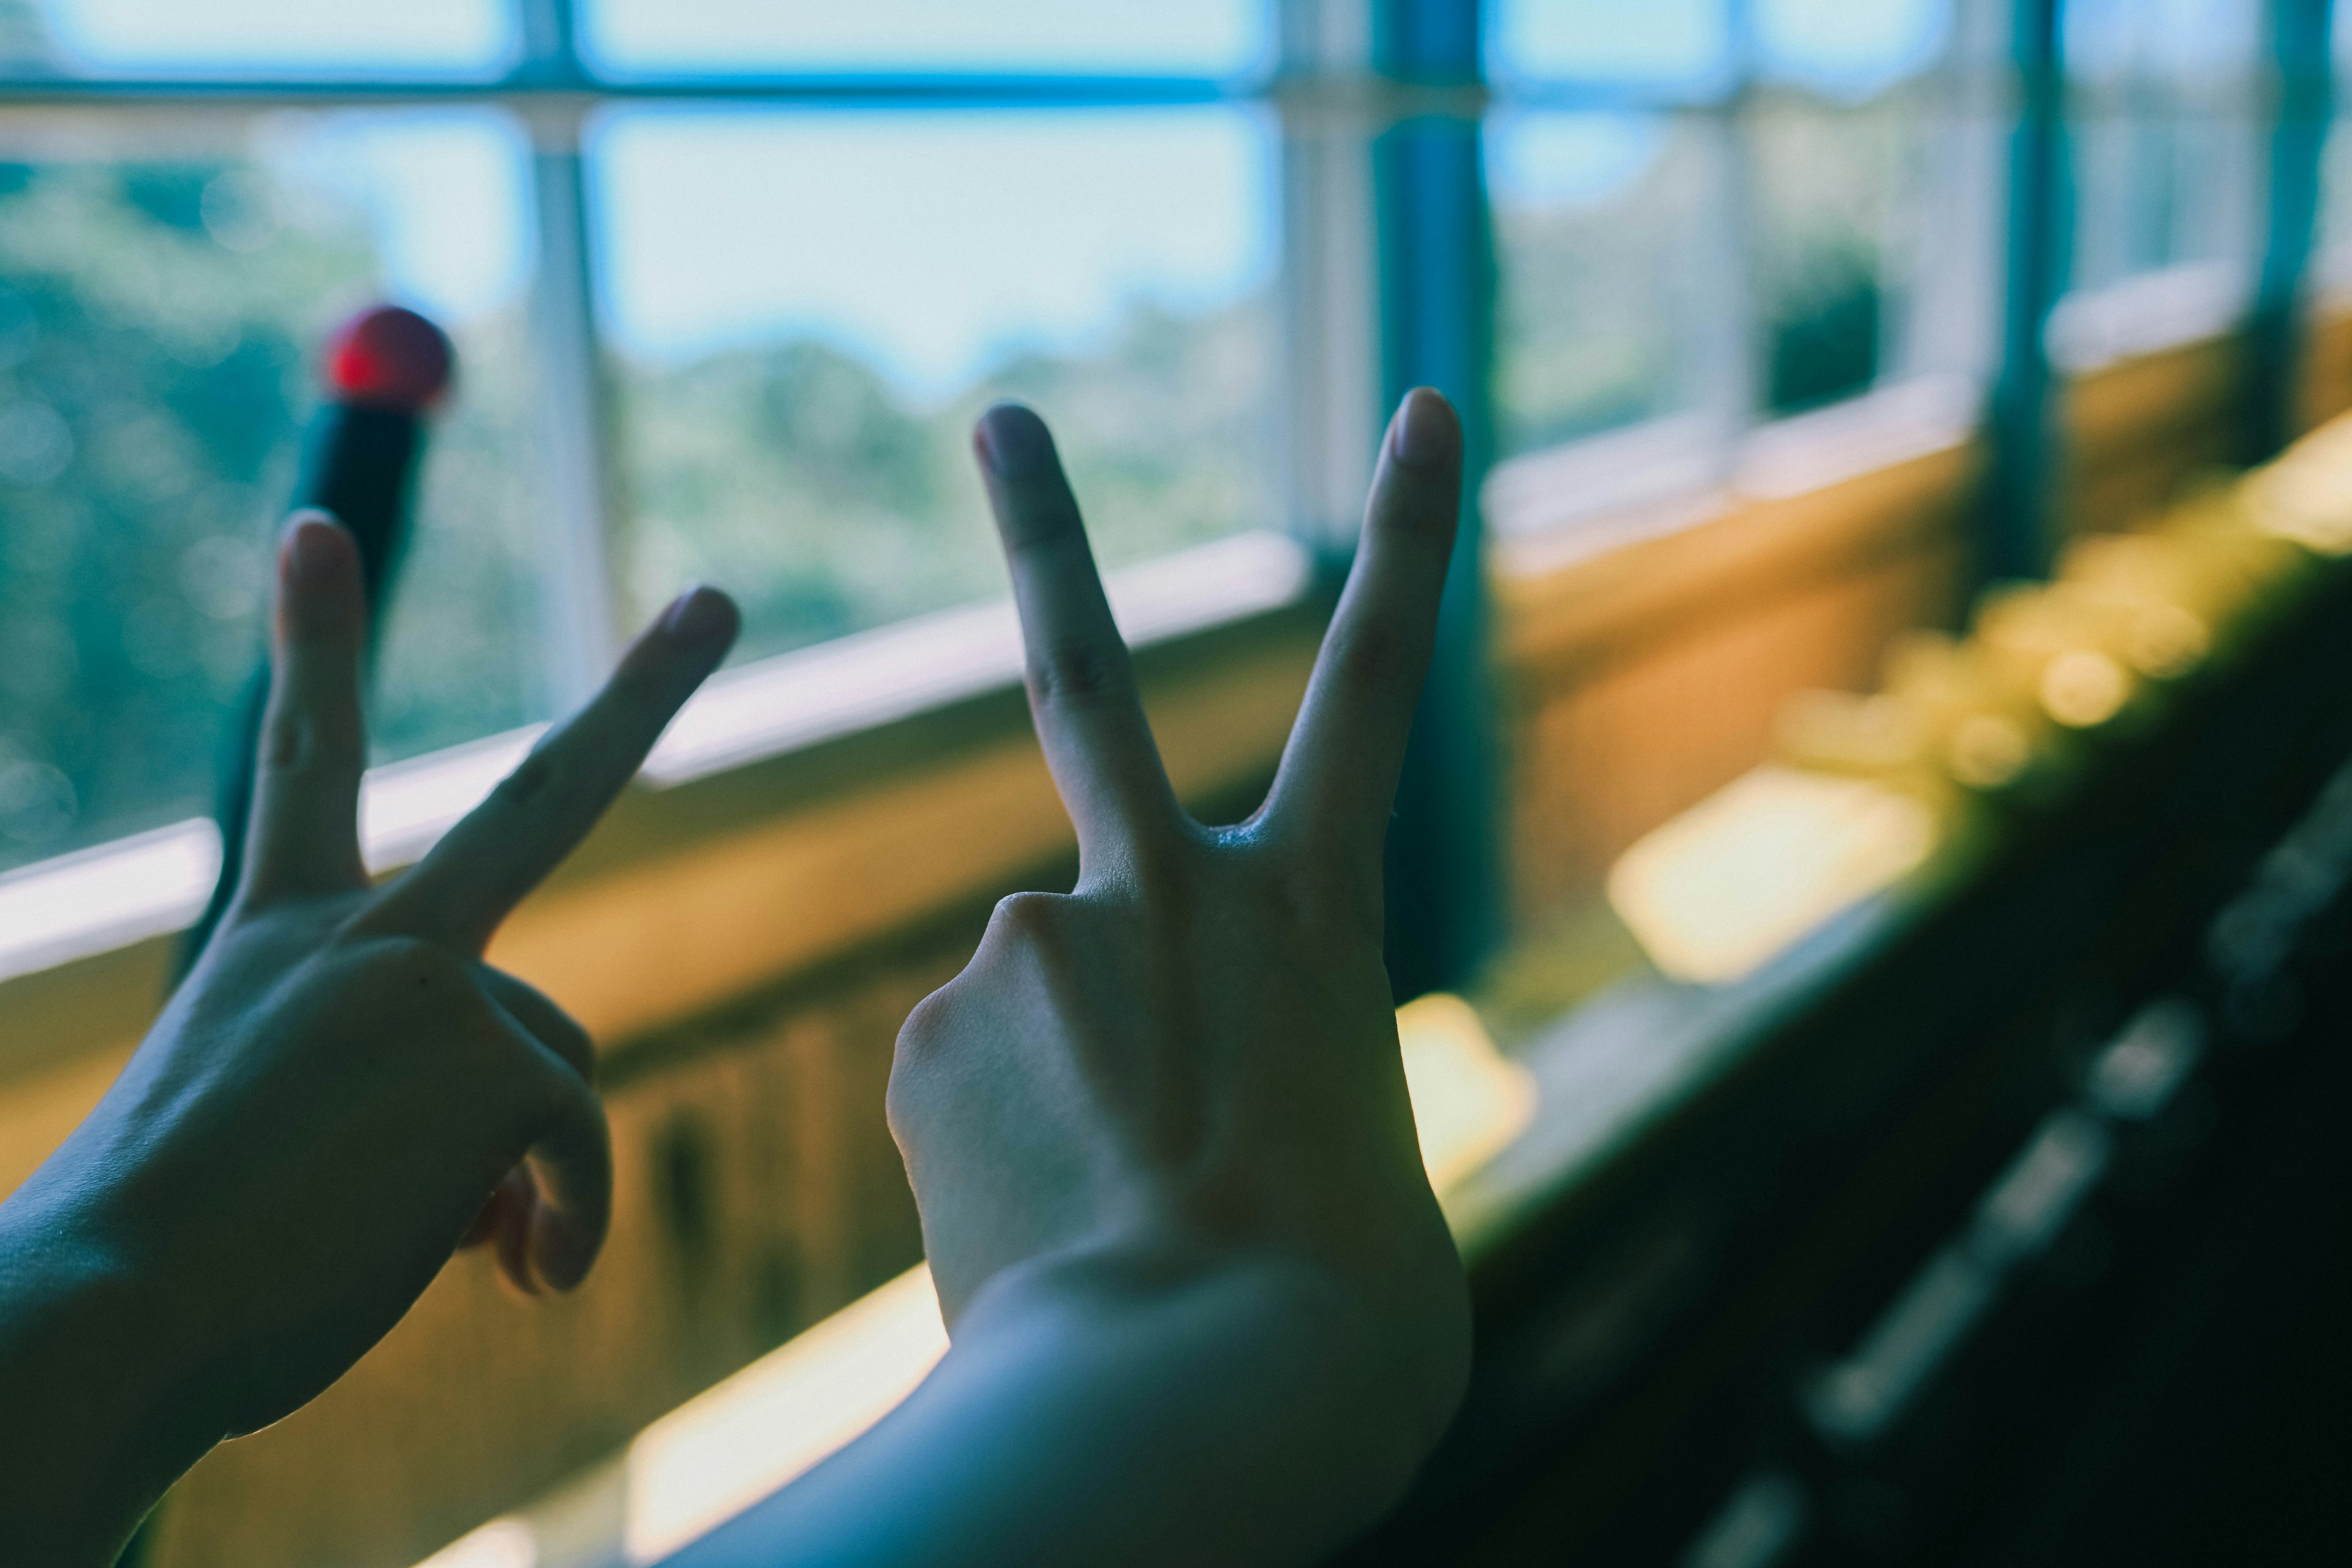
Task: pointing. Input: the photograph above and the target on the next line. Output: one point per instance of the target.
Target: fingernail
(1015, 442)
(1425, 433)
(698, 615)
(313, 550)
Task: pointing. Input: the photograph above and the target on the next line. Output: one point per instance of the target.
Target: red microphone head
(388, 358)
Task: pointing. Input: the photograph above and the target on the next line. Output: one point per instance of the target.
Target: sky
(930, 243)
(942, 237)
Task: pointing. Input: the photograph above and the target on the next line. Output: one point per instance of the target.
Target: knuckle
(899, 1111)
(1420, 509)
(529, 781)
(1426, 518)
(416, 964)
(296, 741)
(561, 1095)
(1034, 918)
(913, 1064)
(1043, 518)
(924, 1024)
(1077, 672)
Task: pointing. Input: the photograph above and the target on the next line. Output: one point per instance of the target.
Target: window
(800, 303)
(1600, 224)
(158, 303)
(1706, 215)
(1842, 144)
(123, 37)
(1683, 44)
(810, 310)
(730, 280)
(1196, 38)
(2168, 157)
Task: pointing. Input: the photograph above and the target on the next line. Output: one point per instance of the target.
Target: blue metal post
(1445, 870)
(2303, 77)
(2018, 536)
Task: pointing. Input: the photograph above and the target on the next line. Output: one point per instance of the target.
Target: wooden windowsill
(798, 806)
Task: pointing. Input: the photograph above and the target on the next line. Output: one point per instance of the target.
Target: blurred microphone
(383, 371)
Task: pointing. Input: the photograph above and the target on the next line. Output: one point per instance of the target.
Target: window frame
(1348, 80)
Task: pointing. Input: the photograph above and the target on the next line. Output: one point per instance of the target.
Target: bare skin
(1204, 1309)
(339, 1094)
(1203, 1306)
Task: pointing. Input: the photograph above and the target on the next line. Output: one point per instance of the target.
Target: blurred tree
(1594, 314)
(796, 473)
(157, 320)
(1824, 330)
(156, 324)
(148, 375)
(1840, 186)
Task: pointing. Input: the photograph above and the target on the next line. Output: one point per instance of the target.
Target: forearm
(96, 1423)
(1242, 1414)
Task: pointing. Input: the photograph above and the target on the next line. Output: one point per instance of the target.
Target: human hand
(341, 1083)
(1190, 1062)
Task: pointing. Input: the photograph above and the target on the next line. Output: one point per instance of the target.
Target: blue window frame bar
(2304, 88)
(2017, 536)
(1446, 873)
(2018, 533)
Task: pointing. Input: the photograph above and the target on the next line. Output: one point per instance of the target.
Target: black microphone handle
(360, 464)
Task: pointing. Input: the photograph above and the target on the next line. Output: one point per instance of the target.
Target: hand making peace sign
(341, 1084)
(1192, 1056)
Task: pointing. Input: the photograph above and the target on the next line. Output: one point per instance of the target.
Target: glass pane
(1851, 48)
(1841, 201)
(2166, 152)
(1209, 37)
(1598, 253)
(2184, 41)
(1670, 41)
(800, 368)
(2332, 257)
(160, 311)
(471, 36)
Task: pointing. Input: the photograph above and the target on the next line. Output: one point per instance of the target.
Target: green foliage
(146, 376)
(793, 473)
(1825, 333)
(1839, 191)
(1596, 304)
(1600, 306)
(157, 322)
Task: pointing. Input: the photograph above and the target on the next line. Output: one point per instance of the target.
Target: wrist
(100, 1417)
(1376, 1366)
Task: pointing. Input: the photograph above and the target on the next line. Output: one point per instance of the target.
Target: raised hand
(1159, 1129)
(1199, 1037)
(326, 1106)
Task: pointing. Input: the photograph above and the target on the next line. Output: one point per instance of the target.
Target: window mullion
(579, 595)
(1331, 288)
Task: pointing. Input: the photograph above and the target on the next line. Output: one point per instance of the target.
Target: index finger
(1081, 683)
(490, 860)
(1338, 775)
